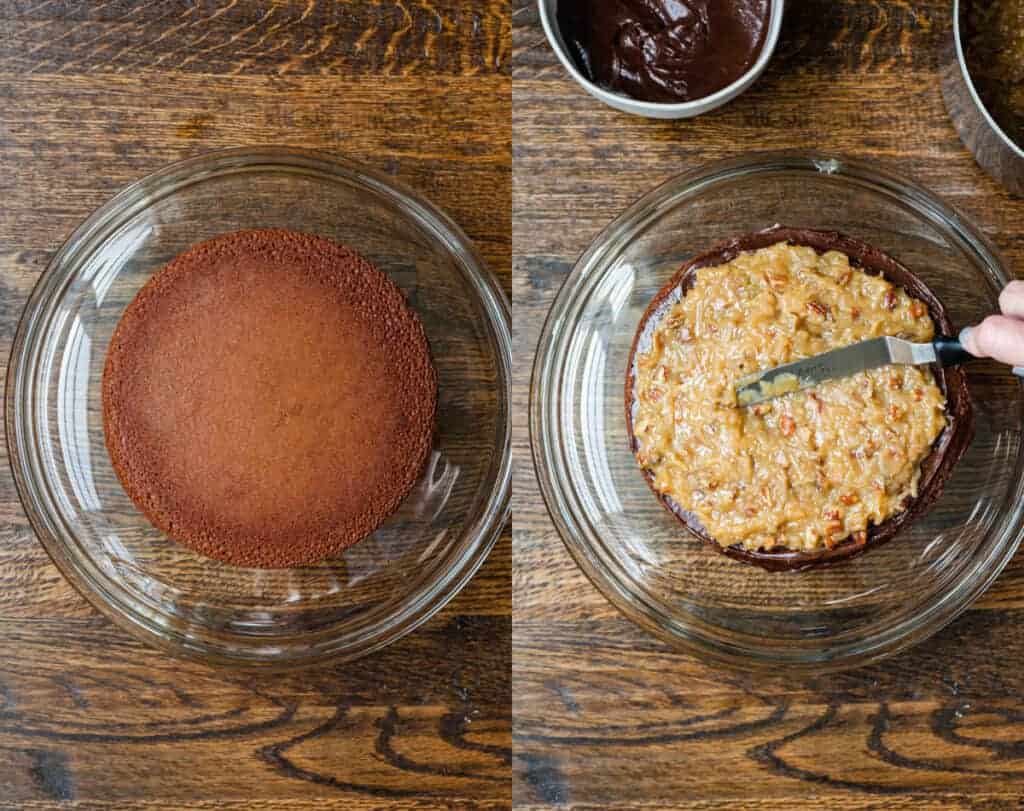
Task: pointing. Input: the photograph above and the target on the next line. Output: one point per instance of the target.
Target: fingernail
(965, 335)
(1019, 371)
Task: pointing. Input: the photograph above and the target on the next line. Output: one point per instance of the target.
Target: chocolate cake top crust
(269, 398)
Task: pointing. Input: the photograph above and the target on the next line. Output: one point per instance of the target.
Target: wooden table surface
(94, 95)
(605, 715)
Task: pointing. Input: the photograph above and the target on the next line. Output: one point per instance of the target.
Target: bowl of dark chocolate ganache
(663, 58)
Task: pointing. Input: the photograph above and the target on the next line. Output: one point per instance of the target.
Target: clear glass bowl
(640, 557)
(374, 592)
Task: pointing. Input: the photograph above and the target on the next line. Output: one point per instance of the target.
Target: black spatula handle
(950, 352)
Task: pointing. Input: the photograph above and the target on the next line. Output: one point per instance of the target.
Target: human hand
(1001, 337)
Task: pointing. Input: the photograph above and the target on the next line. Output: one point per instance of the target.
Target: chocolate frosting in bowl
(936, 468)
(664, 50)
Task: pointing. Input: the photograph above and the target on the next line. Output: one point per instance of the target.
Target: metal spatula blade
(839, 363)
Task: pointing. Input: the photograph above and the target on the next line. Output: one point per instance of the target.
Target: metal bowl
(653, 109)
(991, 146)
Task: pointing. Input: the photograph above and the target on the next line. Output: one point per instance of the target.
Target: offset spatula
(809, 372)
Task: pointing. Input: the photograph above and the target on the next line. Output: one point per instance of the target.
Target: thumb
(998, 337)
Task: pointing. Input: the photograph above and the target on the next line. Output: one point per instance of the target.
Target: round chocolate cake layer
(936, 468)
(269, 398)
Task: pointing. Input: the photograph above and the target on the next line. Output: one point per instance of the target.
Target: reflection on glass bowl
(374, 592)
(639, 556)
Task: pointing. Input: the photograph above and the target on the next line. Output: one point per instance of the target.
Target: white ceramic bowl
(653, 109)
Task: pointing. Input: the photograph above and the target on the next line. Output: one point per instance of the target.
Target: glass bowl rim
(315, 647)
(546, 438)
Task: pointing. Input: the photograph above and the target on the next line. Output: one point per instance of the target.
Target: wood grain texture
(234, 37)
(607, 717)
(93, 96)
